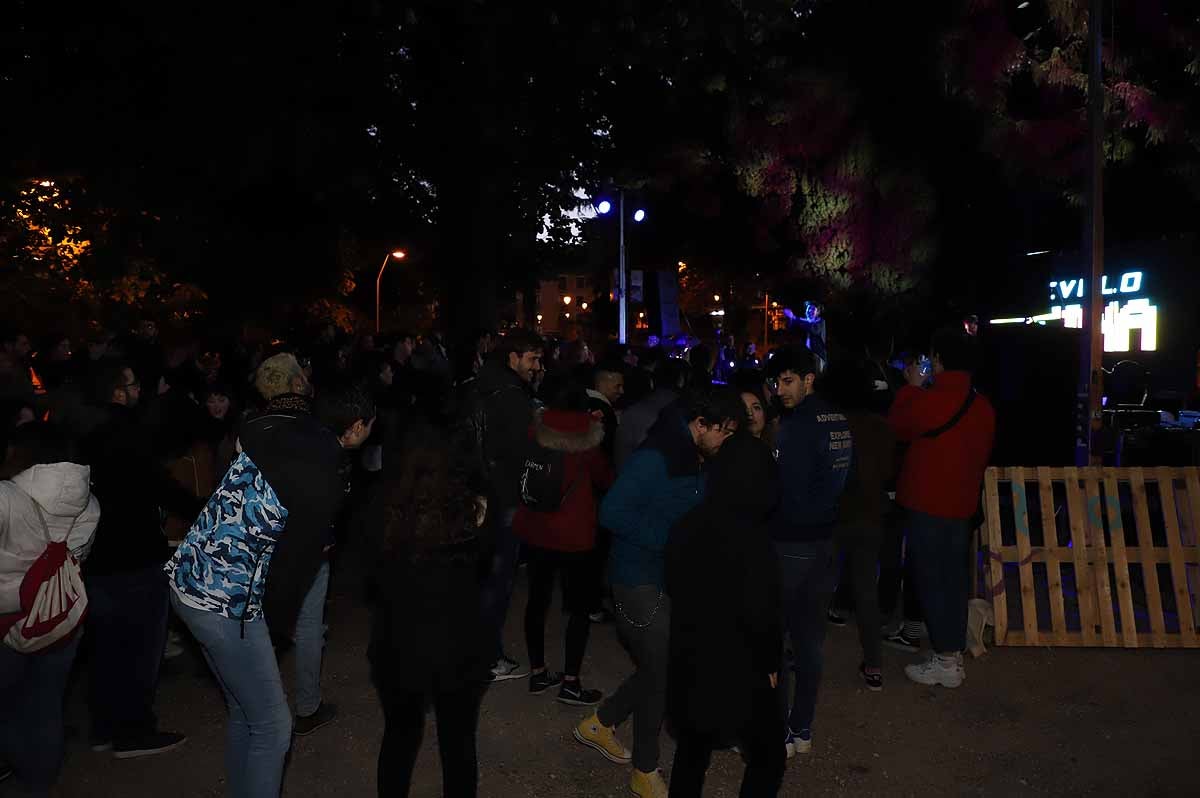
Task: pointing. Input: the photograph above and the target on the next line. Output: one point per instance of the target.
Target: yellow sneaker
(648, 785)
(594, 734)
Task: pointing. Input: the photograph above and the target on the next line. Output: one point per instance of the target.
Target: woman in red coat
(559, 542)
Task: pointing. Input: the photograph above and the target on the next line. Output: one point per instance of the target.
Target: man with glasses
(660, 482)
(814, 449)
(127, 611)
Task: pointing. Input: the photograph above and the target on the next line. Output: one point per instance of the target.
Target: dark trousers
(457, 714)
(597, 574)
(940, 548)
(859, 546)
(575, 569)
(127, 629)
(895, 571)
(497, 589)
(760, 743)
(807, 580)
(31, 713)
(644, 626)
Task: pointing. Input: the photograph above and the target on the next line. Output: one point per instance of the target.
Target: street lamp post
(398, 254)
(622, 293)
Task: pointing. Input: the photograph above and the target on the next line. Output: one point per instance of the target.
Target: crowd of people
(200, 492)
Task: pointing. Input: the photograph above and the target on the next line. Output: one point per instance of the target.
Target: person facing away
(561, 542)
(864, 508)
(726, 630)
(950, 430)
(814, 449)
(670, 380)
(128, 600)
(661, 482)
(45, 499)
(284, 483)
(504, 399)
(430, 555)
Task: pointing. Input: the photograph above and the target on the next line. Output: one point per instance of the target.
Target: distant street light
(639, 215)
(539, 318)
(716, 297)
(583, 306)
(566, 300)
(604, 207)
(398, 254)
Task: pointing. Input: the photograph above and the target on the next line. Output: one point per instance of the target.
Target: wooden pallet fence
(1114, 596)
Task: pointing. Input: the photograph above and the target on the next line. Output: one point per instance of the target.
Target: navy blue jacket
(815, 449)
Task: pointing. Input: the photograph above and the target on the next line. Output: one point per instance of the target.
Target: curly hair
(427, 501)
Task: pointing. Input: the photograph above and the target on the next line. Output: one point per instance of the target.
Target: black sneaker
(874, 681)
(575, 694)
(148, 745)
(902, 642)
(836, 618)
(541, 682)
(308, 724)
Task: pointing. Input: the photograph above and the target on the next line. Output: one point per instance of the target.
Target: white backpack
(53, 601)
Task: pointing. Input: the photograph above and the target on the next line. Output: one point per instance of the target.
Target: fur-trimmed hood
(567, 431)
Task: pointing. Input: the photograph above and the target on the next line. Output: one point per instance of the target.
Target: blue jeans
(259, 732)
(310, 642)
(31, 713)
(807, 578)
(127, 630)
(940, 548)
(497, 589)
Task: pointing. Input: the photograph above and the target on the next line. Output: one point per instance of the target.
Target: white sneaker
(940, 669)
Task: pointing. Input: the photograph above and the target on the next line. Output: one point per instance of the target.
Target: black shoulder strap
(957, 417)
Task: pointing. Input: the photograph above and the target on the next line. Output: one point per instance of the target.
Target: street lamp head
(539, 318)
(716, 297)
(604, 207)
(566, 300)
(583, 305)
(399, 254)
(639, 215)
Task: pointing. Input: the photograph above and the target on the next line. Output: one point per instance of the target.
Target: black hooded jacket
(723, 580)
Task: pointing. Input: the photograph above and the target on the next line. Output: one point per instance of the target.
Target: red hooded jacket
(572, 527)
(942, 476)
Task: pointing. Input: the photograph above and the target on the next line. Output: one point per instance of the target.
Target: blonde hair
(274, 377)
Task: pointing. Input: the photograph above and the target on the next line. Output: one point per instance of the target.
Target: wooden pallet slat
(1058, 611)
(1025, 564)
(1116, 529)
(1192, 486)
(1183, 602)
(1098, 552)
(1141, 517)
(999, 597)
(1084, 588)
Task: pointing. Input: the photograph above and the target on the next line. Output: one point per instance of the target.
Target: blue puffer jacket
(657, 486)
(221, 565)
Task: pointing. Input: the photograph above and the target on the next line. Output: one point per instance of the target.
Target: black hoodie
(723, 579)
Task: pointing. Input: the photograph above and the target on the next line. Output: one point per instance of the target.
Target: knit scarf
(290, 403)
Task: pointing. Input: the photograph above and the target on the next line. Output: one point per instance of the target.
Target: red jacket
(572, 527)
(942, 476)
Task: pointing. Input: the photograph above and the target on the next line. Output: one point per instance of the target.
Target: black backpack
(543, 478)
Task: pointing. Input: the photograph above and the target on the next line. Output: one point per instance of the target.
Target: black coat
(301, 460)
(723, 580)
(131, 485)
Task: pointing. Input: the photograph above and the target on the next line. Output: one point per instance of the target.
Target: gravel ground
(1027, 721)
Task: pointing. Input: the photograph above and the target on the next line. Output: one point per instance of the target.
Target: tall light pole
(1091, 374)
(398, 254)
(639, 215)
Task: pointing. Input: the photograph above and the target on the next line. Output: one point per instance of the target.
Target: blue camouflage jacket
(222, 564)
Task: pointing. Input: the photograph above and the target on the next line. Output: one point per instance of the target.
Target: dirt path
(1039, 721)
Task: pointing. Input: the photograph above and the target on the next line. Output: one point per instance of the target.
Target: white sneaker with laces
(940, 669)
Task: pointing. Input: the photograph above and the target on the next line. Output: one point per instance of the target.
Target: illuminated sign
(1122, 315)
